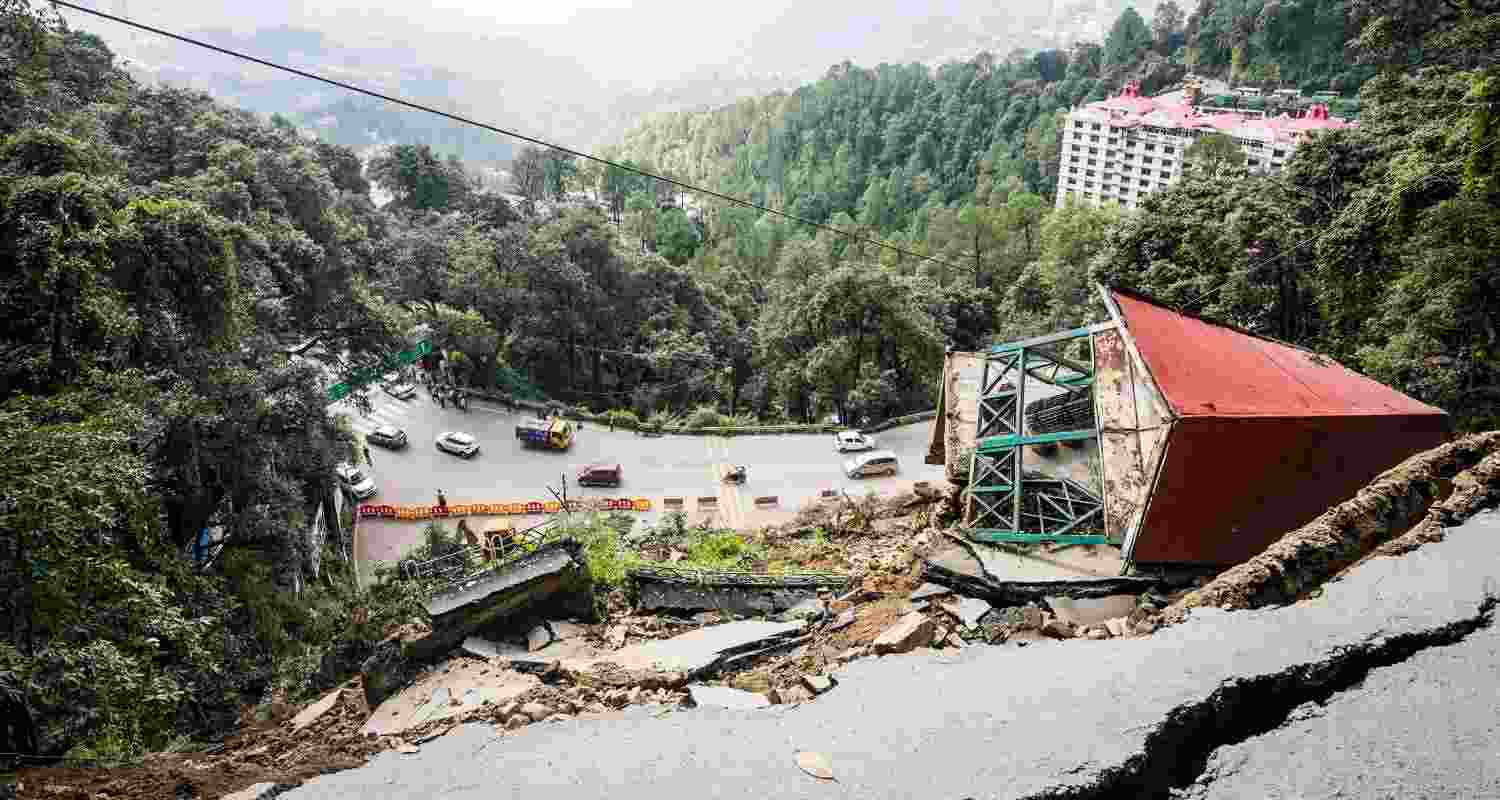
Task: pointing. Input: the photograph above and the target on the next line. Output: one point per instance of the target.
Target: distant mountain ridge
(514, 82)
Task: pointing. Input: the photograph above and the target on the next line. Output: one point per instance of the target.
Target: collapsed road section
(1093, 719)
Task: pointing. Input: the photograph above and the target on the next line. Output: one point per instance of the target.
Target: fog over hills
(579, 72)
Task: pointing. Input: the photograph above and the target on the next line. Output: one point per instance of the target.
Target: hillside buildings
(1121, 149)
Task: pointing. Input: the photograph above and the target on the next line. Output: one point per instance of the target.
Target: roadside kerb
(767, 501)
(751, 430)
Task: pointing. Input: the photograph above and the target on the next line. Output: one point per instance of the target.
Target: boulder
(910, 632)
(818, 684)
(1058, 629)
(537, 711)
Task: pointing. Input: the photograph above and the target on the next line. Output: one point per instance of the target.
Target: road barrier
(704, 502)
(671, 502)
(826, 493)
(532, 507)
(767, 501)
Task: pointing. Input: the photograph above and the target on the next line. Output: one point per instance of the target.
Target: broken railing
(481, 552)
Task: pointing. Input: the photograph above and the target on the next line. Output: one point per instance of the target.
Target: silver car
(852, 442)
(866, 465)
(401, 391)
(459, 444)
(355, 482)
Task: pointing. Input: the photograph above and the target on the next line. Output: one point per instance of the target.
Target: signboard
(529, 507)
(366, 375)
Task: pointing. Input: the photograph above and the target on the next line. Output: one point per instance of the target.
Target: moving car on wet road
(458, 443)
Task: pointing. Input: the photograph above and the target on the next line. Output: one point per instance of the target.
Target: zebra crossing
(387, 411)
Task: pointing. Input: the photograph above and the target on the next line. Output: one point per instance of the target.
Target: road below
(793, 468)
(1114, 718)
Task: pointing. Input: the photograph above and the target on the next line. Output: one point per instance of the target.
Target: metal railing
(488, 550)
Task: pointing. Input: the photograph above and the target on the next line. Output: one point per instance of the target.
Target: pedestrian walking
(611, 423)
(368, 460)
(441, 398)
(442, 500)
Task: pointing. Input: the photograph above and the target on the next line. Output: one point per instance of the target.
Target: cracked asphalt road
(1115, 718)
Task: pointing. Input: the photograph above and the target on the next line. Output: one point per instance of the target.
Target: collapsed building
(1178, 439)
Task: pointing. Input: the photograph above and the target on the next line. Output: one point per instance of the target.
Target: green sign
(365, 375)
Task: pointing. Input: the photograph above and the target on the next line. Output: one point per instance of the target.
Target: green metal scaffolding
(1007, 503)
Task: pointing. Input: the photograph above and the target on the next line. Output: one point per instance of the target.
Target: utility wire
(466, 121)
(1369, 200)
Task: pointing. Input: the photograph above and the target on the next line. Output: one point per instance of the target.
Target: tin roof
(1266, 435)
(1205, 369)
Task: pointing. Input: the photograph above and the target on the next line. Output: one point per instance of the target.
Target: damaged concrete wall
(958, 418)
(1401, 509)
(1133, 420)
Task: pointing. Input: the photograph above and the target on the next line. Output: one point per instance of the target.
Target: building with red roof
(1120, 149)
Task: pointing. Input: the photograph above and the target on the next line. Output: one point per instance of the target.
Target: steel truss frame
(1005, 502)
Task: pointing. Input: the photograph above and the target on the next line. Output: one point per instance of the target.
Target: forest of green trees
(164, 251)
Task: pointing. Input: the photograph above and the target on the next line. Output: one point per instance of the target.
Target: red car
(600, 475)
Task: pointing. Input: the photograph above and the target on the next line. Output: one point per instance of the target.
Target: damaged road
(1108, 718)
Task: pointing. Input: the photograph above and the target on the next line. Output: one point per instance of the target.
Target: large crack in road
(1177, 753)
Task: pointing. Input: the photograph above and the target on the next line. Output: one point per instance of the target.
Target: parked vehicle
(553, 433)
(355, 482)
(736, 475)
(866, 465)
(387, 436)
(600, 475)
(458, 443)
(400, 390)
(852, 442)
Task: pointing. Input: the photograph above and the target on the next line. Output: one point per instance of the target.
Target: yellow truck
(554, 433)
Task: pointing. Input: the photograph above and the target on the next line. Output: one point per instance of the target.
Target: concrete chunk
(725, 697)
(259, 791)
(910, 632)
(927, 590)
(696, 651)
(538, 638)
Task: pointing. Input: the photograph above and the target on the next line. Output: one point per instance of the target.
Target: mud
(1400, 510)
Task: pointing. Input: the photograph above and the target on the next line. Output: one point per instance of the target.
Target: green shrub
(623, 418)
(704, 417)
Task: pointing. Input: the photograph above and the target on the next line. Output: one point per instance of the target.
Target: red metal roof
(1209, 370)
(1267, 436)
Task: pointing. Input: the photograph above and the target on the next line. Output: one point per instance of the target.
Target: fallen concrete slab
(725, 697)
(449, 690)
(1085, 611)
(735, 592)
(554, 576)
(554, 579)
(962, 578)
(1141, 715)
(698, 652)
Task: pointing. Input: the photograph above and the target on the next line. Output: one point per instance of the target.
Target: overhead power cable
(492, 128)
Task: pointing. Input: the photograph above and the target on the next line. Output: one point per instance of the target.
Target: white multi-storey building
(1121, 149)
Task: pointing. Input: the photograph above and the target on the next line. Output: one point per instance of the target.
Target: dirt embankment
(1400, 510)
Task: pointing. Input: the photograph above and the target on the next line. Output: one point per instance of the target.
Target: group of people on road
(446, 393)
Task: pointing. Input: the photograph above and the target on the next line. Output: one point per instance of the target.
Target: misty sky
(634, 41)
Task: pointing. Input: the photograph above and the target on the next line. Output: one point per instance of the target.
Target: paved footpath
(1393, 646)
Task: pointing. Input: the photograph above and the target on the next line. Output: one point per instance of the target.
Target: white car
(356, 482)
(867, 465)
(853, 442)
(400, 391)
(459, 444)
